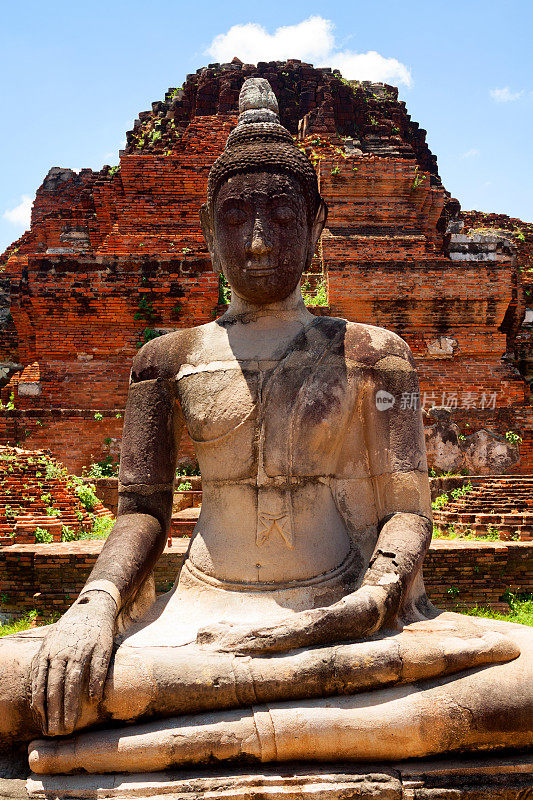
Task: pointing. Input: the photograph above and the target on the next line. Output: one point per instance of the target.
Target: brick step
(181, 528)
(480, 506)
(510, 504)
(183, 522)
(522, 493)
(524, 497)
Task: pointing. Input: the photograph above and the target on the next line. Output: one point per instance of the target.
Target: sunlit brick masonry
(458, 575)
(116, 257)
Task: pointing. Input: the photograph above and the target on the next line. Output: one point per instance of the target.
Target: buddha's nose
(259, 244)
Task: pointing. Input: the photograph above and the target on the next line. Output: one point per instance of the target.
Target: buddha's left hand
(356, 616)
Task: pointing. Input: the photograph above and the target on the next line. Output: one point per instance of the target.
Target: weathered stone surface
(480, 453)
(443, 445)
(488, 454)
(299, 628)
(480, 779)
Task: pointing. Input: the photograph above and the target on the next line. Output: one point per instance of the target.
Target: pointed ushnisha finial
(260, 142)
(257, 102)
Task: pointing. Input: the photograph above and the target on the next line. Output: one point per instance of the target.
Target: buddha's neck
(291, 309)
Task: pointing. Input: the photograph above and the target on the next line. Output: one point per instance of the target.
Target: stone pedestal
(473, 778)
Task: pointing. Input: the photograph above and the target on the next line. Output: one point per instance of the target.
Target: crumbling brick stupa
(116, 257)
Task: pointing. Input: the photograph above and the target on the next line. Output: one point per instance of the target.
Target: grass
(23, 623)
(450, 532)
(100, 530)
(520, 611)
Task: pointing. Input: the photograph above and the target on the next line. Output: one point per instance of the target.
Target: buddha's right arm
(152, 428)
(75, 653)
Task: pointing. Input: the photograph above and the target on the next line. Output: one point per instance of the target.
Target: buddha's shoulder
(368, 345)
(162, 357)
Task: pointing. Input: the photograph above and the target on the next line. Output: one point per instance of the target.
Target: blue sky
(75, 75)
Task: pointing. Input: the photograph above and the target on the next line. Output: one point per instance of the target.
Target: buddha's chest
(289, 415)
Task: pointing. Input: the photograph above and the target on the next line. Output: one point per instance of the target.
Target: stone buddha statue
(299, 627)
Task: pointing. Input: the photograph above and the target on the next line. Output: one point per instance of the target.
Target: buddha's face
(261, 236)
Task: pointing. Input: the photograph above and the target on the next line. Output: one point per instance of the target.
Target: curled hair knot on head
(260, 143)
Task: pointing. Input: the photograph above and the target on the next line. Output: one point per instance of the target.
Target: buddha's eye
(234, 215)
(283, 214)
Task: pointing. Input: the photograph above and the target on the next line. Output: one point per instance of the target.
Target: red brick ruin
(116, 257)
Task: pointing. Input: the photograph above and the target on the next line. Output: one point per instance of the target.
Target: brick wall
(477, 573)
(49, 577)
(117, 255)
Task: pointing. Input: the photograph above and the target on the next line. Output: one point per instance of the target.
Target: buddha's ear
(319, 222)
(209, 235)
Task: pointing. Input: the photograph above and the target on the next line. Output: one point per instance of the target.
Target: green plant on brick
(461, 491)
(105, 468)
(86, 495)
(440, 501)
(175, 311)
(224, 290)
(317, 296)
(42, 536)
(51, 511)
(10, 405)
(492, 533)
(147, 335)
(68, 534)
(419, 179)
(100, 530)
(513, 438)
(145, 310)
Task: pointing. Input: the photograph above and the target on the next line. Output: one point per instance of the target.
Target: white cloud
(370, 66)
(505, 95)
(21, 214)
(311, 40)
(472, 153)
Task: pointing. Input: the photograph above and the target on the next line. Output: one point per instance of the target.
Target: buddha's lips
(259, 270)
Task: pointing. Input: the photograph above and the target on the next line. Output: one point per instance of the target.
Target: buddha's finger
(98, 672)
(73, 694)
(54, 695)
(39, 678)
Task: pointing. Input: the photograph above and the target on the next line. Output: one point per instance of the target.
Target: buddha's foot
(173, 681)
(399, 721)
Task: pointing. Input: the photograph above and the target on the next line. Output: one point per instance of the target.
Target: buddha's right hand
(74, 657)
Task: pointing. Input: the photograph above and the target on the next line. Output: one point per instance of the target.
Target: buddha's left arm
(396, 454)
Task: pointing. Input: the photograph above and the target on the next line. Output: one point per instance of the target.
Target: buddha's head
(264, 214)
